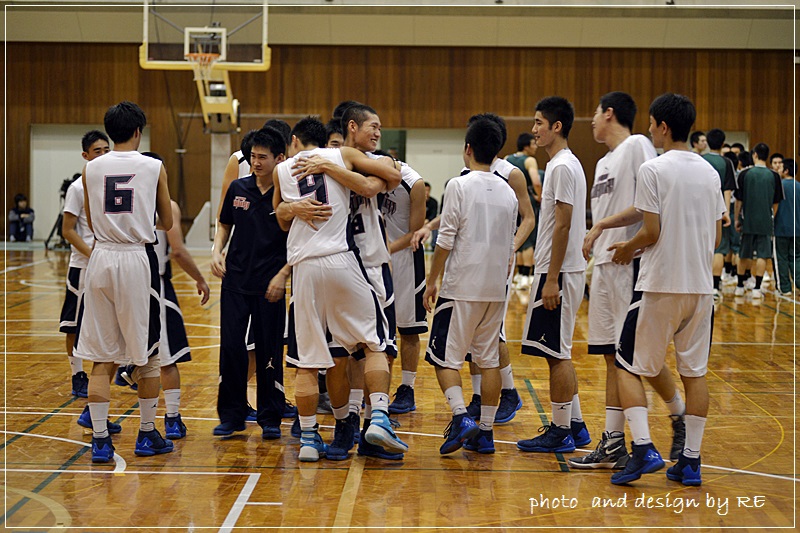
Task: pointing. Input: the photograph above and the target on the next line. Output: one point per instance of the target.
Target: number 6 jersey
(330, 237)
(121, 188)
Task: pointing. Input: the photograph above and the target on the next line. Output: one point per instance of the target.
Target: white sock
(308, 423)
(476, 384)
(487, 417)
(172, 400)
(356, 397)
(676, 405)
(562, 413)
(75, 364)
(99, 413)
(577, 416)
(615, 420)
(455, 397)
(340, 413)
(147, 408)
(507, 377)
(409, 378)
(695, 425)
(379, 401)
(637, 421)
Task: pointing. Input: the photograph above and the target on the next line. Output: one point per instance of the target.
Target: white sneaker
(717, 295)
(750, 283)
(756, 294)
(767, 277)
(516, 279)
(524, 283)
(731, 280)
(739, 291)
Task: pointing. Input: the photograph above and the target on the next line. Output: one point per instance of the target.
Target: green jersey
(758, 188)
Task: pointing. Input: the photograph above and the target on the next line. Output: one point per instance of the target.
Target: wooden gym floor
(749, 472)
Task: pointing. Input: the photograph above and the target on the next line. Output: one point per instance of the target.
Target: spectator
(787, 220)
(20, 220)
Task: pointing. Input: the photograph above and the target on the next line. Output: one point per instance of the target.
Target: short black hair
(523, 141)
(623, 105)
(733, 157)
(715, 138)
(745, 159)
(382, 153)
(775, 155)
(740, 146)
(485, 138)
(153, 155)
(334, 125)
(426, 184)
(677, 111)
(91, 137)
(310, 131)
(357, 113)
(338, 111)
(122, 120)
(789, 166)
(557, 109)
(20, 198)
(694, 138)
(761, 150)
(247, 144)
(282, 126)
(269, 138)
(494, 118)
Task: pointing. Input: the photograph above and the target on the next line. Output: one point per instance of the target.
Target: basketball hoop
(202, 64)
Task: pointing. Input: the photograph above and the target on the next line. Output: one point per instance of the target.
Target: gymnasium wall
(411, 87)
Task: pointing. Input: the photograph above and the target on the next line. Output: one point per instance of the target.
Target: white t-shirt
(614, 190)
(122, 187)
(478, 222)
(684, 190)
(73, 204)
(564, 181)
(331, 236)
(499, 166)
(244, 164)
(396, 207)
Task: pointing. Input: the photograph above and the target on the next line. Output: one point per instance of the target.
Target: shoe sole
(689, 483)
(400, 411)
(479, 450)
(382, 455)
(597, 466)
(98, 459)
(633, 477)
(309, 454)
(336, 457)
(378, 436)
(541, 449)
(223, 433)
(174, 436)
(457, 443)
(151, 452)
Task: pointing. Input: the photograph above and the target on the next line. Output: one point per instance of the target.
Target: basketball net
(203, 64)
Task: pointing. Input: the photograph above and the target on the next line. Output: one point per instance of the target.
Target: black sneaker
(289, 410)
(678, 436)
(339, 449)
(152, 443)
(295, 431)
(403, 400)
(124, 377)
(483, 442)
(174, 428)
(580, 433)
(460, 429)
(474, 407)
(644, 459)
(686, 470)
(366, 449)
(610, 453)
(510, 403)
(80, 385)
(552, 439)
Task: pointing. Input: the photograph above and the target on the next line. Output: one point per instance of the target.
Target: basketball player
(680, 197)
(612, 285)
(332, 292)
(524, 159)
(123, 191)
(474, 249)
(727, 176)
(559, 277)
(75, 231)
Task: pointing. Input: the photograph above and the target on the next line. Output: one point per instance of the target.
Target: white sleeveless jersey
(121, 187)
(366, 226)
(162, 251)
(244, 164)
(331, 237)
(500, 167)
(73, 204)
(397, 204)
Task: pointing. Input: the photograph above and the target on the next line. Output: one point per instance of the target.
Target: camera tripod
(62, 243)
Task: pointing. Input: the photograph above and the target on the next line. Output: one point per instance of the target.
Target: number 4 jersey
(121, 188)
(330, 237)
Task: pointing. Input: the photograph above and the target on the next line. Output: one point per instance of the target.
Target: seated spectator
(20, 220)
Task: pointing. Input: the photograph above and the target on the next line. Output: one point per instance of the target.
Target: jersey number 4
(314, 184)
(118, 199)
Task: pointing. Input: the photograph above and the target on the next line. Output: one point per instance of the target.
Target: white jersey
(500, 167)
(366, 226)
(73, 204)
(244, 164)
(478, 222)
(684, 190)
(331, 237)
(614, 190)
(397, 204)
(162, 250)
(564, 181)
(122, 187)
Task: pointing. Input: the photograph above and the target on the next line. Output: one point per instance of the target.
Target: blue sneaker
(80, 385)
(174, 428)
(343, 436)
(510, 403)
(483, 442)
(380, 433)
(271, 432)
(289, 410)
(366, 449)
(580, 433)
(686, 470)
(252, 414)
(295, 431)
(227, 428)
(403, 400)
(461, 428)
(102, 450)
(85, 420)
(312, 447)
(152, 443)
(553, 439)
(125, 377)
(474, 407)
(644, 459)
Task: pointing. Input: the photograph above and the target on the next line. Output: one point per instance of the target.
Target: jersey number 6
(117, 199)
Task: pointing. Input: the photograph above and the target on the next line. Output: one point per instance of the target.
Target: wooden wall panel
(411, 87)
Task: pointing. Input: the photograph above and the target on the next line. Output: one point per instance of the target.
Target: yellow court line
(347, 501)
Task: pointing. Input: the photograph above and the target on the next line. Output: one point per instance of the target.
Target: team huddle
(318, 203)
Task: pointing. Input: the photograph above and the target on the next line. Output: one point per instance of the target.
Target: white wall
(437, 154)
(56, 156)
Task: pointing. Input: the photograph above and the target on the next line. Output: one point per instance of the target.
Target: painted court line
(119, 466)
(238, 505)
(20, 267)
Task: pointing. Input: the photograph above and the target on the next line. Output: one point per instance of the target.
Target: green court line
(40, 422)
(562, 463)
(774, 309)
